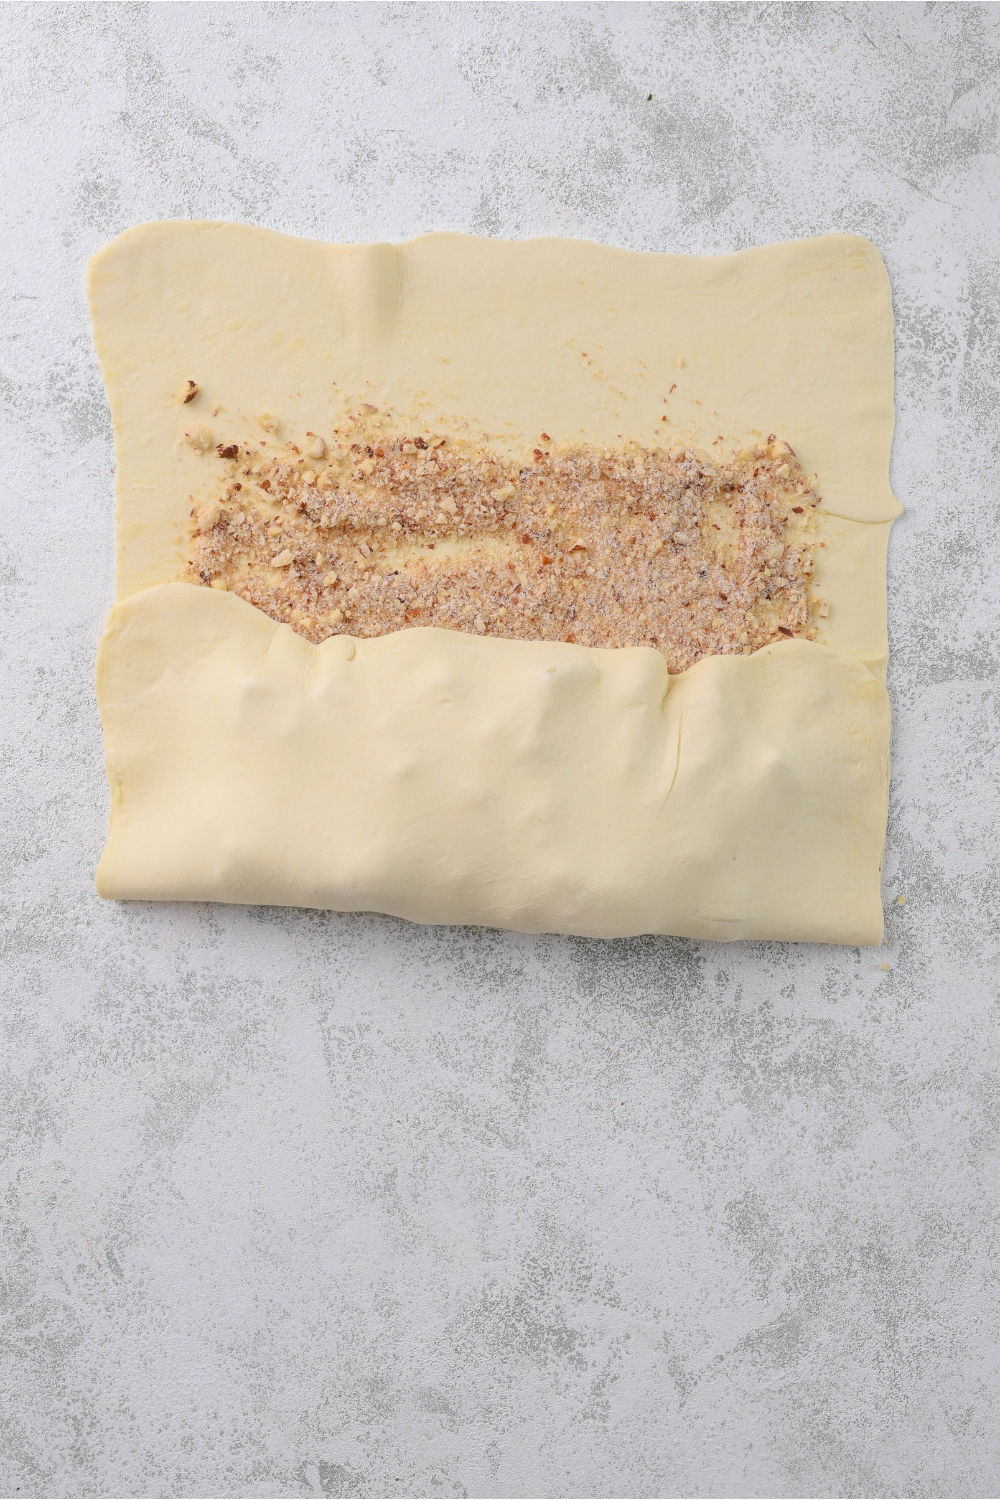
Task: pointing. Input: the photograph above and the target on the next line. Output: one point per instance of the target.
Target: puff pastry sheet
(453, 778)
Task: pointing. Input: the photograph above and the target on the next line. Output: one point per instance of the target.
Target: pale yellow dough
(451, 778)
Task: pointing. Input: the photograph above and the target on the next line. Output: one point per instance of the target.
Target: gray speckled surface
(296, 1204)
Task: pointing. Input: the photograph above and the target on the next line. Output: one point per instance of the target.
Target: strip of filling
(374, 530)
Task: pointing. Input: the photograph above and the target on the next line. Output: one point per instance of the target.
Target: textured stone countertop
(296, 1204)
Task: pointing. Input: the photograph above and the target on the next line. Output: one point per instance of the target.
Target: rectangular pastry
(536, 585)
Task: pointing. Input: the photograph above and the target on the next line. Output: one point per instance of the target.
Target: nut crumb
(199, 438)
(186, 391)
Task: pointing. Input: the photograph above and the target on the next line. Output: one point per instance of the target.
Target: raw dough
(450, 778)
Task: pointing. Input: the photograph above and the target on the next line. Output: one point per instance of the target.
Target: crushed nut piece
(199, 438)
(186, 391)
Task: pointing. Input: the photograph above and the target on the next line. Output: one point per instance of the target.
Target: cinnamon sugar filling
(375, 530)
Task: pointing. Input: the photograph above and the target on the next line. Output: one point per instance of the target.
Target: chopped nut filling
(376, 530)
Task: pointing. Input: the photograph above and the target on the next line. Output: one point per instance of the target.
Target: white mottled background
(296, 1204)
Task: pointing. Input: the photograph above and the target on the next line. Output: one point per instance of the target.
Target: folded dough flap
(452, 778)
